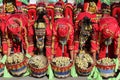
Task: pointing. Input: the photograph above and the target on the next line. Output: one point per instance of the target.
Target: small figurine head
(41, 8)
(58, 9)
(24, 9)
(77, 10)
(108, 27)
(105, 8)
(92, 7)
(14, 27)
(50, 11)
(10, 6)
(62, 25)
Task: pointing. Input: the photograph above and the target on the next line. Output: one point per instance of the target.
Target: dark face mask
(16, 39)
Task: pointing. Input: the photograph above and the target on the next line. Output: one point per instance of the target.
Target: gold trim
(48, 46)
(68, 6)
(50, 7)
(31, 7)
(76, 41)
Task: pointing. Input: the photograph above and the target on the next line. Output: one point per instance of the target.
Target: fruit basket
(38, 65)
(106, 67)
(17, 64)
(61, 66)
(84, 64)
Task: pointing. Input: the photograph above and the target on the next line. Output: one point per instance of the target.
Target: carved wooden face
(40, 32)
(40, 29)
(85, 28)
(9, 7)
(41, 10)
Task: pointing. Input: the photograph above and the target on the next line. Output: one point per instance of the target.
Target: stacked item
(17, 64)
(38, 65)
(61, 66)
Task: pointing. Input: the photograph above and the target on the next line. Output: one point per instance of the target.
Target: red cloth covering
(70, 36)
(69, 11)
(32, 11)
(15, 26)
(18, 3)
(116, 13)
(108, 28)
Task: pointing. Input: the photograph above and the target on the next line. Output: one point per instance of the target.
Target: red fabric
(116, 12)
(17, 20)
(99, 5)
(5, 48)
(30, 48)
(68, 11)
(16, 47)
(48, 52)
(2, 23)
(48, 38)
(86, 5)
(30, 28)
(50, 10)
(18, 3)
(41, 4)
(32, 14)
(59, 4)
(62, 31)
(76, 47)
(106, 24)
(57, 46)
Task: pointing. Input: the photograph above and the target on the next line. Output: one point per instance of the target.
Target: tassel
(28, 55)
(50, 73)
(27, 73)
(73, 71)
(6, 73)
(4, 59)
(117, 64)
(95, 75)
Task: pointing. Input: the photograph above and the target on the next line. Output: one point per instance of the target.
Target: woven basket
(18, 69)
(38, 72)
(1, 69)
(61, 72)
(106, 71)
(84, 72)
